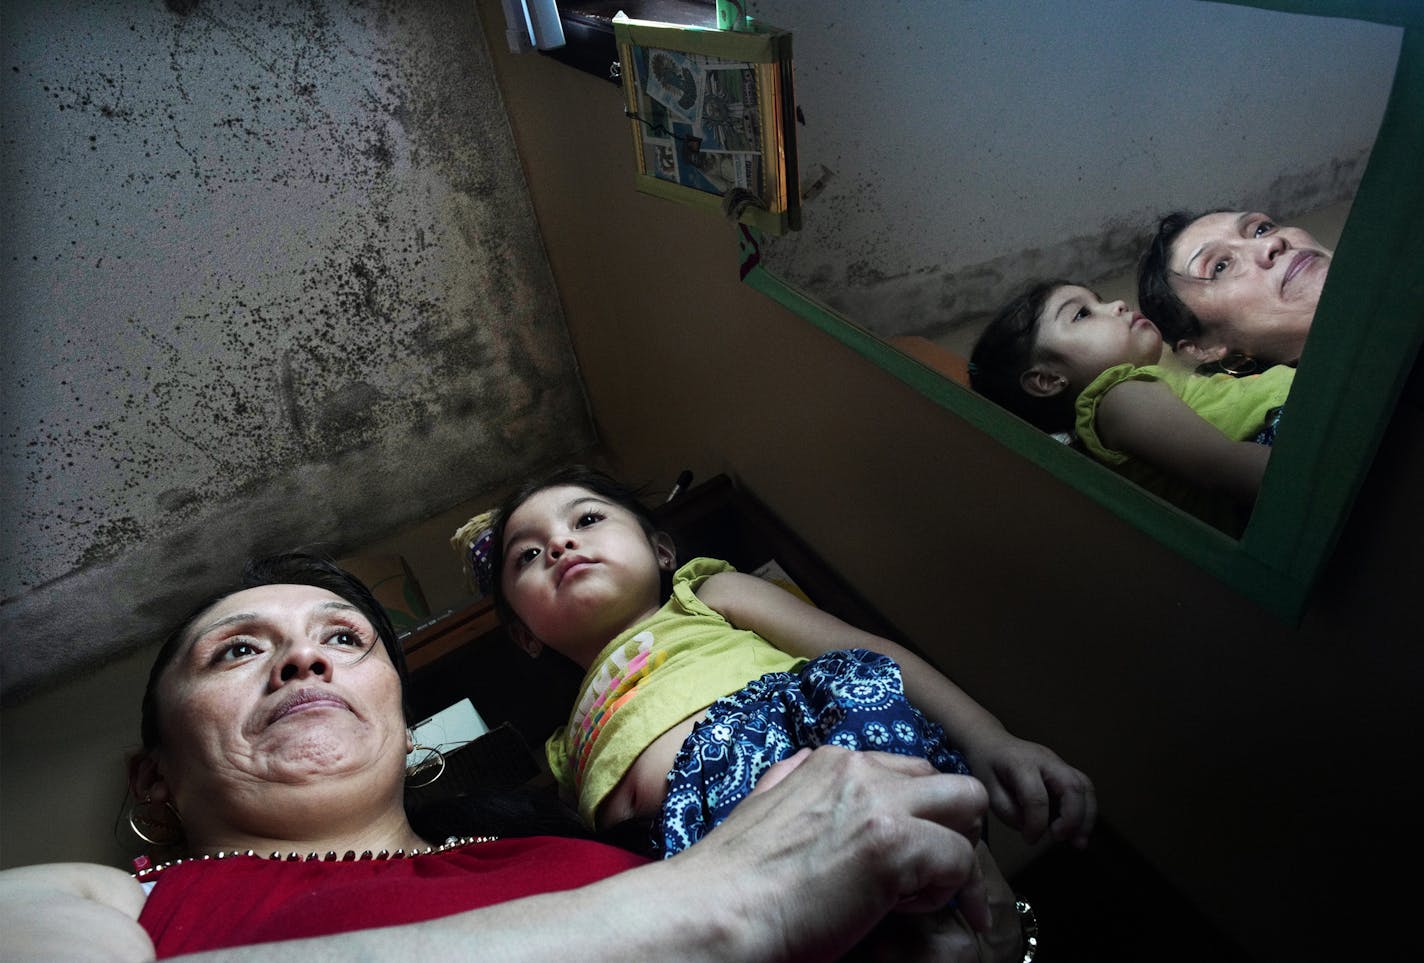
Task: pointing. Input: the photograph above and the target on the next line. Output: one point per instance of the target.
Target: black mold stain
(174, 500)
(181, 7)
(111, 536)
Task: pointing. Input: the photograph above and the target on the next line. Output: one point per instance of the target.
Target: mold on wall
(975, 146)
(271, 279)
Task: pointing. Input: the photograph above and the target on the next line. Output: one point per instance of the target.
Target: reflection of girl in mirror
(1068, 362)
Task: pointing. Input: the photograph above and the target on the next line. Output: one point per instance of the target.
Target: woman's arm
(801, 871)
(1029, 786)
(72, 911)
(1147, 420)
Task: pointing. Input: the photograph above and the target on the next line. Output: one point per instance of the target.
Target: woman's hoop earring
(147, 828)
(1237, 364)
(419, 767)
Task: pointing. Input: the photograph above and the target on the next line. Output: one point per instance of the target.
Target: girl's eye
(589, 518)
(525, 557)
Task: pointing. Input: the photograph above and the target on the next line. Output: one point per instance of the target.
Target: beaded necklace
(146, 870)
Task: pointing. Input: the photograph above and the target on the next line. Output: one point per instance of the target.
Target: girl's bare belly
(641, 791)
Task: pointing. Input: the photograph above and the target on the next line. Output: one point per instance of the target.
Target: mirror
(953, 152)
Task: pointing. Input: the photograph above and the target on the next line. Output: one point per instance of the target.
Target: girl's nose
(560, 544)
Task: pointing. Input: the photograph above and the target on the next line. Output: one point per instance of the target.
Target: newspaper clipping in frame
(702, 126)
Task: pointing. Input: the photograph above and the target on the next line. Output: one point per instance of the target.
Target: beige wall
(1251, 761)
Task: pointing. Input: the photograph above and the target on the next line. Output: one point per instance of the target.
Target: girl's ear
(146, 781)
(1042, 381)
(666, 552)
(526, 640)
(1198, 353)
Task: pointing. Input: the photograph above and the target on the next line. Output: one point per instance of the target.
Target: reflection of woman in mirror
(1232, 287)
(1068, 362)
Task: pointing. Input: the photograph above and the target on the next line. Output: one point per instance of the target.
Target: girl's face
(578, 569)
(1253, 284)
(1080, 336)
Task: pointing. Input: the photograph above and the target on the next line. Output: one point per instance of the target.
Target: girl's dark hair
(1156, 297)
(293, 568)
(602, 485)
(1004, 352)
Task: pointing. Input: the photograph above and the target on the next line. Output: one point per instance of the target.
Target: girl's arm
(1030, 788)
(1146, 420)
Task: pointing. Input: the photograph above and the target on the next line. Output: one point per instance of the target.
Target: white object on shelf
(447, 730)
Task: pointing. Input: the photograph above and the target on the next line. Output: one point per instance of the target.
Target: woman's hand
(839, 839)
(943, 936)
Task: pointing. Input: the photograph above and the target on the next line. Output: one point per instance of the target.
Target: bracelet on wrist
(1028, 923)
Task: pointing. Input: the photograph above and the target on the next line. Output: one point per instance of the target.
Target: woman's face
(278, 686)
(1253, 284)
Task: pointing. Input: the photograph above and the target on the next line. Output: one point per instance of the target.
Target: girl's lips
(571, 565)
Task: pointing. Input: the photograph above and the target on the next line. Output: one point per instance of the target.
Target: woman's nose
(1119, 306)
(1269, 247)
(302, 660)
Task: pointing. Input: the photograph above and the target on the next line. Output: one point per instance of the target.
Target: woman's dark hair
(293, 568)
(582, 476)
(1004, 352)
(1156, 297)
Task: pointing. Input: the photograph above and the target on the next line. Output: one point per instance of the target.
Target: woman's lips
(305, 699)
(1298, 263)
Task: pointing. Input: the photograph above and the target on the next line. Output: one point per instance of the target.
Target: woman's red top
(209, 904)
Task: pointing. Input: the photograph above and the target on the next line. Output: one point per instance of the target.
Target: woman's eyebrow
(340, 606)
(222, 623)
(1241, 221)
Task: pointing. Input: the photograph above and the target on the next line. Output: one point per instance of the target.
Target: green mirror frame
(1362, 348)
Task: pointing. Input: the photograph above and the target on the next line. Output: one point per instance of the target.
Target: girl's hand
(1034, 791)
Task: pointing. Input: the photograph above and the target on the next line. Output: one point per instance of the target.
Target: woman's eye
(1220, 267)
(235, 650)
(1081, 314)
(1265, 227)
(347, 638)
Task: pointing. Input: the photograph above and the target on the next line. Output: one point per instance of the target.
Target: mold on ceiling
(271, 278)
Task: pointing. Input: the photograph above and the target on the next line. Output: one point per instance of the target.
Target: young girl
(699, 678)
(1065, 360)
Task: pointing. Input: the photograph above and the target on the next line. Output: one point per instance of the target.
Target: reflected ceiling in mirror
(965, 148)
